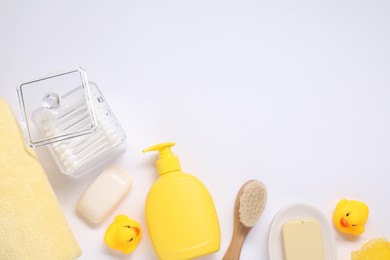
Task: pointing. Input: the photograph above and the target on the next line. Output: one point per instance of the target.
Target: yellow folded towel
(32, 225)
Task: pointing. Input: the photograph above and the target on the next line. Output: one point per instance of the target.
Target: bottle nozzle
(163, 148)
(167, 162)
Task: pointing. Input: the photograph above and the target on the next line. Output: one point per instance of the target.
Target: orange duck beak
(344, 223)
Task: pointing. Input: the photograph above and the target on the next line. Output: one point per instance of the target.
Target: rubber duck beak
(344, 223)
(136, 231)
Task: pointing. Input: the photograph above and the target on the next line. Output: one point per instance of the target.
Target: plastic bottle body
(181, 217)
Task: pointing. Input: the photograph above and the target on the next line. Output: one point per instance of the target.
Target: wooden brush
(249, 206)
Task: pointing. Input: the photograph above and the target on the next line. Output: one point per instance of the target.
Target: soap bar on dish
(104, 194)
(302, 240)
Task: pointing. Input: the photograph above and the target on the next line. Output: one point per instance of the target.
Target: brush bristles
(252, 202)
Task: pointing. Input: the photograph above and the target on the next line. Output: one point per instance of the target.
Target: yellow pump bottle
(180, 213)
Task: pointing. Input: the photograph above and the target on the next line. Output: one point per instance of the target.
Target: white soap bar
(104, 194)
(302, 240)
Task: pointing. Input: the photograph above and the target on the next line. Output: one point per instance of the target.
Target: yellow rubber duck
(123, 234)
(350, 216)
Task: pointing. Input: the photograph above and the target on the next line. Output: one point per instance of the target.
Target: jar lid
(56, 107)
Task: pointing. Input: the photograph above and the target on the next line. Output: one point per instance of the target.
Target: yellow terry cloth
(32, 225)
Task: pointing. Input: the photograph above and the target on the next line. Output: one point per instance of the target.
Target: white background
(293, 93)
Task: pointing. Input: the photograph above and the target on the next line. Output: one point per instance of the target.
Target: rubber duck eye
(354, 225)
(127, 226)
(347, 214)
(131, 240)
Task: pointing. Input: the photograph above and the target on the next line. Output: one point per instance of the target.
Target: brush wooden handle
(239, 235)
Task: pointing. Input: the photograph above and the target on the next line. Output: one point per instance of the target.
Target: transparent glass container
(69, 115)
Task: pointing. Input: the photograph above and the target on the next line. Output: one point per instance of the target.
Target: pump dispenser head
(167, 162)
